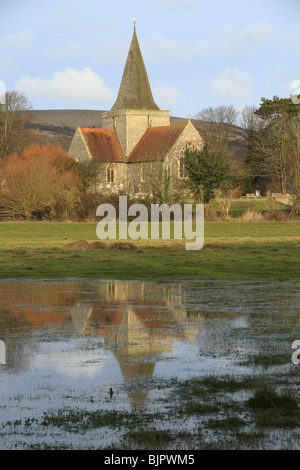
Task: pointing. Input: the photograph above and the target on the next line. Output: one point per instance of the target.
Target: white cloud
(293, 41)
(110, 52)
(9, 65)
(280, 79)
(69, 84)
(72, 50)
(233, 86)
(167, 97)
(19, 42)
(224, 41)
(2, 92)
(64, 19)
(258, 34)
(160, 50)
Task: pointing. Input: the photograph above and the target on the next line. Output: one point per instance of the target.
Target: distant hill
(68, 117)
(76, 117)
(58, 126)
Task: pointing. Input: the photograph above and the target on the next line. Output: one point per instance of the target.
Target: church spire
(135, 91)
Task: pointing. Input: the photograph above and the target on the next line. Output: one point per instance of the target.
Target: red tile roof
(156, 143)
(103, 144)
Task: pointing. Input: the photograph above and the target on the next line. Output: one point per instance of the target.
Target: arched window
(191, 146)
(110, 175)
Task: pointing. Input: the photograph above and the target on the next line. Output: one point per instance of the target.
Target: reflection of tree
(29, 306)
(137, 320)
(19, 347)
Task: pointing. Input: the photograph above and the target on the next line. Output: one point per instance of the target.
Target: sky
(70, 54)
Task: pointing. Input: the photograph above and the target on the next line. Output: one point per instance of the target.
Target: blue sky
(70, 54)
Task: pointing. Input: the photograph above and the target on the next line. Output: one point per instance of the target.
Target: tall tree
(274, 145)
(40, 180)
(15, 134)
(207, 171)
(217, 126)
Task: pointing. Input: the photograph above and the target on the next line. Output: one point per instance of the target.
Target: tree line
(270, 156)
(42, 181)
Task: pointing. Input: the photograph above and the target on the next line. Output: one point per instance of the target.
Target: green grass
(264, 205)
(275, 410)
(83, 419)
(150, 438)
(232, 251)
(226, 423)
(59, 233)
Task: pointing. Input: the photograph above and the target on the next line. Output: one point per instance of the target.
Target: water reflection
(136, 321)
(91, 325)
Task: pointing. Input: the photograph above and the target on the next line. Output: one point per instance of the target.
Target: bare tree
(294, 139)
(91, 174)
(217, 126)
(250, 121)
(15, 134)
(37, 181)
(270, 153)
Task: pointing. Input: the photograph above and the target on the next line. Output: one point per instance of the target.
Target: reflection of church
(137, 321)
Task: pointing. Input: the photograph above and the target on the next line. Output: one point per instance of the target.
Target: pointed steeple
(135, 91)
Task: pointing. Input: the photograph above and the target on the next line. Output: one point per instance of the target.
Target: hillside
(76, 117)
(58, 126)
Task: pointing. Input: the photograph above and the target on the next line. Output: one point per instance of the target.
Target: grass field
(233, 251)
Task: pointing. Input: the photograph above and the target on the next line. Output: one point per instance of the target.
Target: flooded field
(155, 365)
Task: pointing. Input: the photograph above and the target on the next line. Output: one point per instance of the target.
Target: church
(137, 151)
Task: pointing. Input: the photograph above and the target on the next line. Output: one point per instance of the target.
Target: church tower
(134, 110)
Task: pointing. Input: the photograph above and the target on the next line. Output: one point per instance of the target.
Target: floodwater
(83, 343)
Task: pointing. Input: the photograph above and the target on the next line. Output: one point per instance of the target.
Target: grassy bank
(233, 251)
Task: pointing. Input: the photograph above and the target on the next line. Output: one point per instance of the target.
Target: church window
(110, 175)
(191, 146)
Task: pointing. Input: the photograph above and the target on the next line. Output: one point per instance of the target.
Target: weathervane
(134, 20)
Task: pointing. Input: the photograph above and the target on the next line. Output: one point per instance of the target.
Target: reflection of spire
(132, 344)
(80, 318)
(133, 370)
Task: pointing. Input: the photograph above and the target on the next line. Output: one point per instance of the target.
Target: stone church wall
(131, 124)
(120, 178)
(78, 149)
